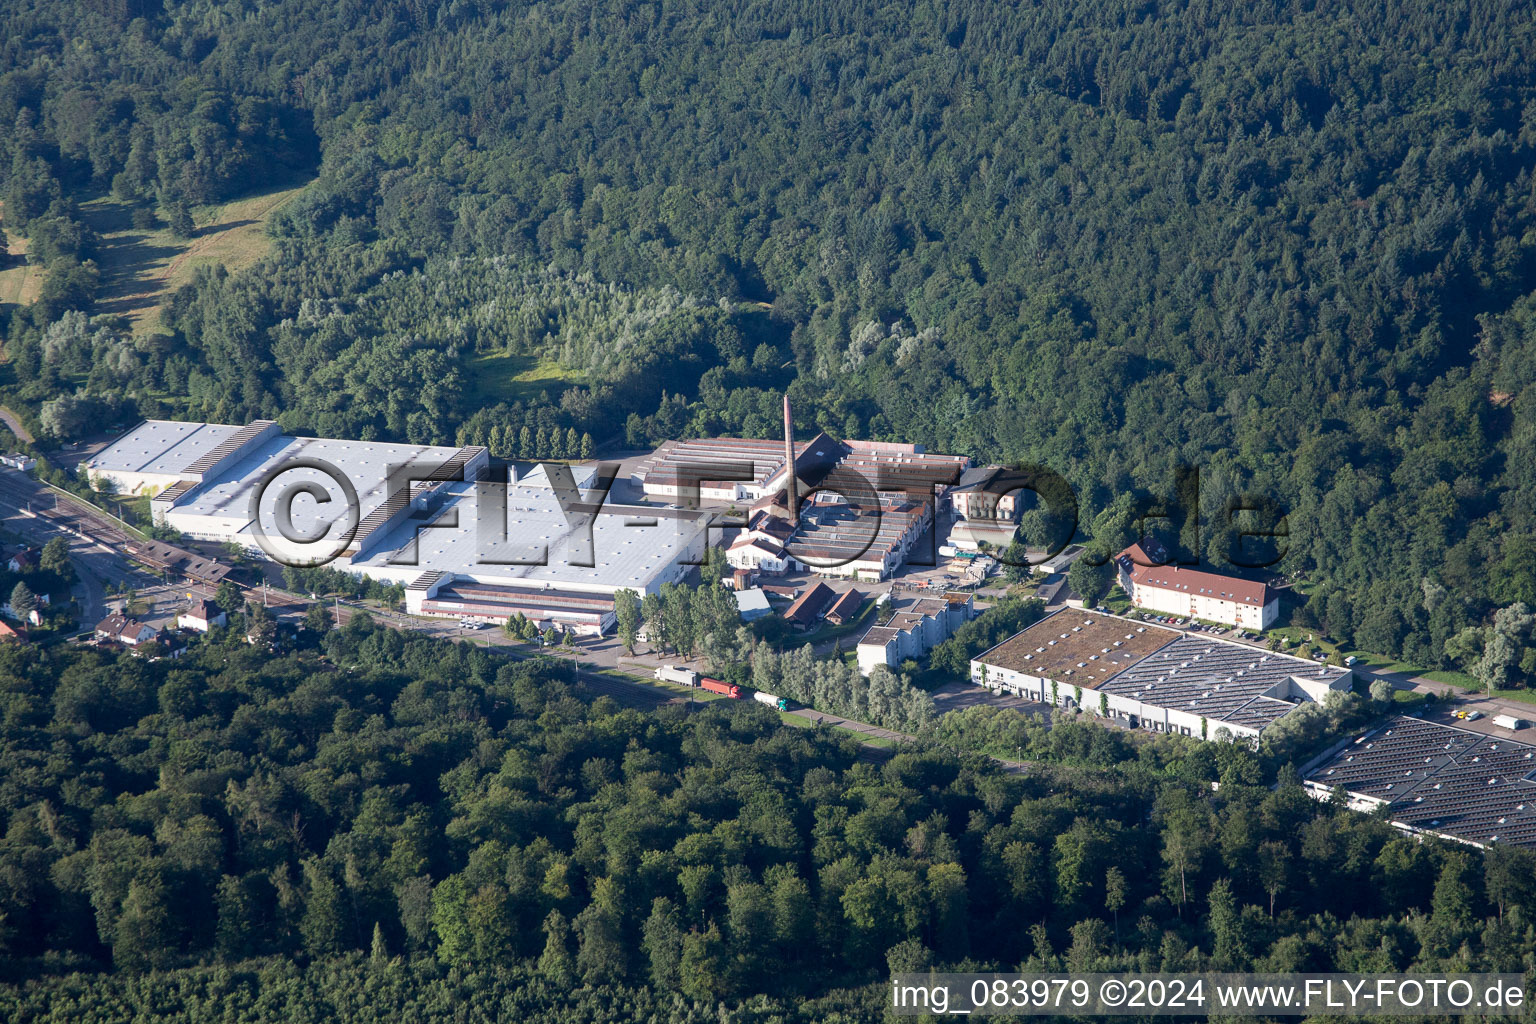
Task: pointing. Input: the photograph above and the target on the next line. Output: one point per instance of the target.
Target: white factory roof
(631, 546)
(160, 447)
(536, 477)
(625, 551)
(366, 464)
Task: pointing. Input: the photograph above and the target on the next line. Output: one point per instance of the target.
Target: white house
(750, 552)
(124, 630)
(43, 601)
(201, 616)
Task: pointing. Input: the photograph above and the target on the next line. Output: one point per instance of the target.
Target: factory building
(841, 509)
(847, 541)
(980, 494)
(462, 544)
(1149, 677)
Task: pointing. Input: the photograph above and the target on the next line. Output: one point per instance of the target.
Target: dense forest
(1289, 243)
(383, 826)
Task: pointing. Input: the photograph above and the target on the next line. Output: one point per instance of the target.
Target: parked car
(1473, 716)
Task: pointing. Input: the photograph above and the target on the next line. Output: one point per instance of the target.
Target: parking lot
(957, 696)
(1480, 713)
(1192, 626)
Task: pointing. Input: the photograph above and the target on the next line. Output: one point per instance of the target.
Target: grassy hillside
(140, 269)
(20, 281)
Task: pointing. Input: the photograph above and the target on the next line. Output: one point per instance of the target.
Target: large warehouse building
(1154, 678)
(462, 545)
(1438, 779)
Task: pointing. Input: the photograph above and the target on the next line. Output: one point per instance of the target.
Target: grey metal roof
(367, 464)
(1221, 681)
(1440, 778)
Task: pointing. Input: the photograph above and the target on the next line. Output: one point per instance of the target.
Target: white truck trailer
(673, 674)
(778, 703)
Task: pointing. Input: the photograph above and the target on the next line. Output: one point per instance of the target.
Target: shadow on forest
(133, 266)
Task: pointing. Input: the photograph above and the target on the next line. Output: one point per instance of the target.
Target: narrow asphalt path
(13, 423)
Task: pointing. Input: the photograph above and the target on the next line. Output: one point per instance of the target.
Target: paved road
(96, 563)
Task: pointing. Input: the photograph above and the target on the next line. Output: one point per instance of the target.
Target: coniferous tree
(556, 963)
(663, 943)
(324, 924)
(181, 222)
(23, 601)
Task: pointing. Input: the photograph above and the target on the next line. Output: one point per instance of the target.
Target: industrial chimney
(791, 484)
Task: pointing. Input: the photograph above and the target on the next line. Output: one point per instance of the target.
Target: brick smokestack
(791, 484)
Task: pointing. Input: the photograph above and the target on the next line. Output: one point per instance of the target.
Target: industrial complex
(460, 542)
(847, 509)
(465, 541)
(1154, 678)
(475, 538)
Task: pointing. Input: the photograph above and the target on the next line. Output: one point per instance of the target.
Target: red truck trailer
(723, 688)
